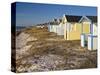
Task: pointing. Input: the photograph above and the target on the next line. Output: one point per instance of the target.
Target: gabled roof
(92, 18)
(54, 23)
(89, 18)
(72, 18)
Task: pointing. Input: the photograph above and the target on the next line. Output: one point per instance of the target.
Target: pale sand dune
(40, 50)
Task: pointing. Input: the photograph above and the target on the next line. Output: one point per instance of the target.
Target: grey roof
(72, 18)
(54, 23)
(92, 18)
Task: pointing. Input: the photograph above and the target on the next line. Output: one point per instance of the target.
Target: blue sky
(28, 14)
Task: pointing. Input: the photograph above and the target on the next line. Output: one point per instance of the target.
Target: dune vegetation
(37, 49)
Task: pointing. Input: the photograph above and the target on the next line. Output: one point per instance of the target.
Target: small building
(89, 32)
(53, 25)
(52, 28)
(60, 29)
(89, 25)
(56, 27)
(72, 27)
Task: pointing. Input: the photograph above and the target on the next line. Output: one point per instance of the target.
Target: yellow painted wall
(75, 33)
(86, 27)
(77, 27)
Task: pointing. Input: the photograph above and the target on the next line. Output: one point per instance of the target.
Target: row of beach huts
(73, 27)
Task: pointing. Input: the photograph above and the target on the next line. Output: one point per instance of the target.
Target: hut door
(86, 27)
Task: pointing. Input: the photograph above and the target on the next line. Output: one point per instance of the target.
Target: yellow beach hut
(72, 27)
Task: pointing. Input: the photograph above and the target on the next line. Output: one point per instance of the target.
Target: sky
(28, 14)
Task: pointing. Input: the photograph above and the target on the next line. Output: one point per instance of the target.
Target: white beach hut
(56, 26)
(92, 42)
(53, 28)
(60, 30)
(89, 32)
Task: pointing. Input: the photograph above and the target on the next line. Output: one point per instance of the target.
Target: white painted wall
(69, 27)
(60, 30)
(83, 40)
(92, 45)
(52, 28)
(95, 29)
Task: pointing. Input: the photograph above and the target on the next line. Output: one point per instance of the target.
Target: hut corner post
(65, 32)
(82, 36)
(91, 32)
